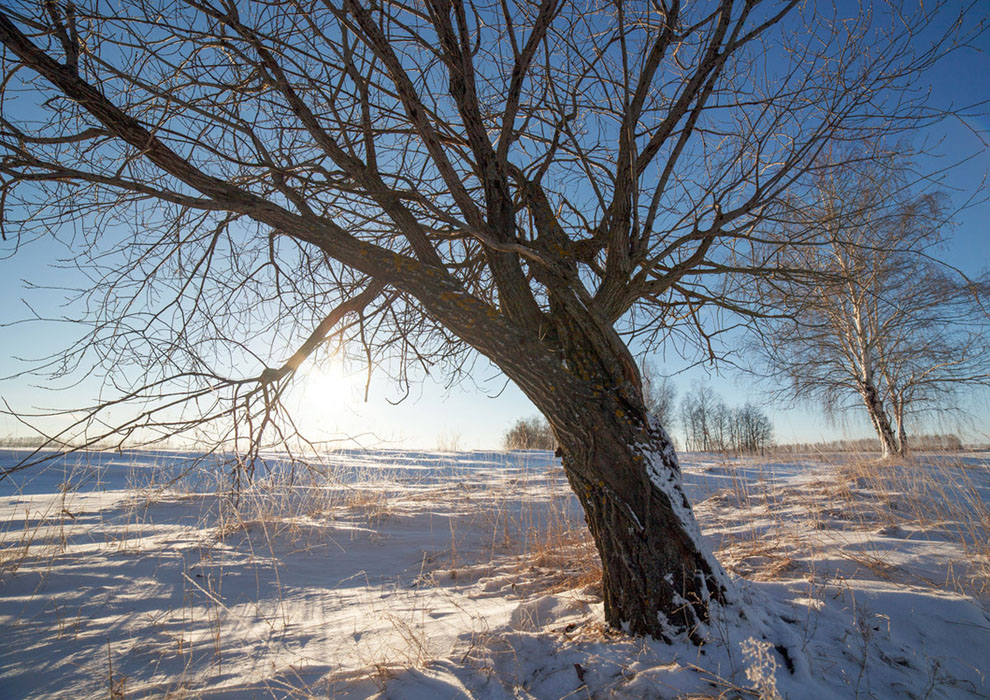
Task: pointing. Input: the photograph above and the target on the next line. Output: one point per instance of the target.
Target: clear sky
(471, 416)
(475, 419)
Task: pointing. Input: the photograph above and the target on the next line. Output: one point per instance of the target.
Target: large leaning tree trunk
(424, 181)
(658, 578)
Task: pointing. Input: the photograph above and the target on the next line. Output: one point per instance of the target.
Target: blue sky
(471, 415)
(433, 415)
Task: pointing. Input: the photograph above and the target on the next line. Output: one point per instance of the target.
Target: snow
(414, 575)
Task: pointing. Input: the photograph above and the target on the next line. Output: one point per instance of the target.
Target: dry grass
(768, 531)
(41, 536)
(939, 496)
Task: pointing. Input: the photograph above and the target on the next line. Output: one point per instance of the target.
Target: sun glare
(333, 378)
(328, 387)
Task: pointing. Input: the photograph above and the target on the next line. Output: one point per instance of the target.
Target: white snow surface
(419, 575)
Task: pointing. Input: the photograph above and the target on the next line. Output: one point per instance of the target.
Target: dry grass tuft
(771, 531)
(941, 495)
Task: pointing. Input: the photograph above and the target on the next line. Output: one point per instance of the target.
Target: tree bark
(881, 423)
(902, 441)
(657, 577)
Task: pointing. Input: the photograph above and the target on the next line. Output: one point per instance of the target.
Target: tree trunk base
(657, 578)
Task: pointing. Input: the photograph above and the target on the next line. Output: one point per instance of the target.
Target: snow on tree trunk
(657, 577)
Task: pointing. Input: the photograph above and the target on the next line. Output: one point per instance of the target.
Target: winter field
(415, 575)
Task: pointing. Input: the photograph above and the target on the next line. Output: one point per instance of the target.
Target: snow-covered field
(469, 575)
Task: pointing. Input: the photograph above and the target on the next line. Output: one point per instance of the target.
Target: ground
(470, 575)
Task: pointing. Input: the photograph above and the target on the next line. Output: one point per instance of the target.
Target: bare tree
(529, 434)
(884, 325)
(421, 181)
(752, 430)
(660, 396)
(712, 426)
(700, 412)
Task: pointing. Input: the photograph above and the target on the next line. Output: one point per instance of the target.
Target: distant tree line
(35, 442)
(942, 442)
(712, 426)
(529, 434)
(24, 441)
(709, 424)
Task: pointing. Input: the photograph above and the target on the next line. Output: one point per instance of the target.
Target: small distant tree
(698, 411)
(752, 430)
(882, 324)
(529, 434)
(660, 396)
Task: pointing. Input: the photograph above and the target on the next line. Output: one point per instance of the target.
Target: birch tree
(884, 325)
(535, 182)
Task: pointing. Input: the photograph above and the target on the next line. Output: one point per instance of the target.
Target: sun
(328, 386)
